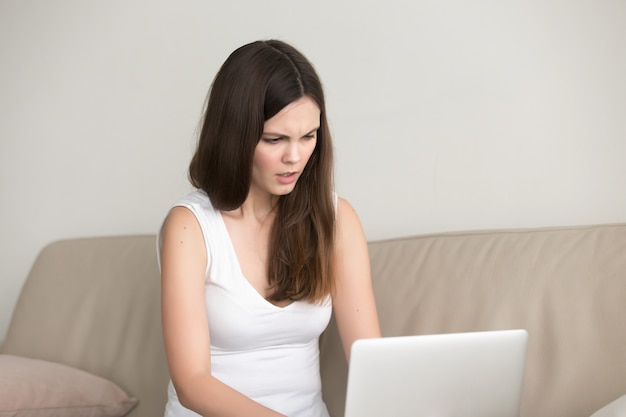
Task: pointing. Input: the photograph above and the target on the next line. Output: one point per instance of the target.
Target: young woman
(254, 261)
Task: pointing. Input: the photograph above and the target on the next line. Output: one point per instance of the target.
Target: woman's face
(286, 145)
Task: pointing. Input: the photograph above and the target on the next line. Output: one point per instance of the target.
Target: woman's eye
(311, 136)
(271, 140)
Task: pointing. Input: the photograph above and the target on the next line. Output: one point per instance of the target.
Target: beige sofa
(93, 304)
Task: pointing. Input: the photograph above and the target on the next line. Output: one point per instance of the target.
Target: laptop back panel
(477, 374)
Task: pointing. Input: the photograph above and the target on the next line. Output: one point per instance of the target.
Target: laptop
(476, 374)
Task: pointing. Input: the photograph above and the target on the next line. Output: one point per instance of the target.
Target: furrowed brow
(283, 136)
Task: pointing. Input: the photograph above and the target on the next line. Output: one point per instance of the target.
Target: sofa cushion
(94, 304)
(31, 387)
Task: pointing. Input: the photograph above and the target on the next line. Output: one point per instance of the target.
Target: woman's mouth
(287, 177)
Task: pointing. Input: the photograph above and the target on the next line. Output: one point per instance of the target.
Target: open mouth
(287, 177)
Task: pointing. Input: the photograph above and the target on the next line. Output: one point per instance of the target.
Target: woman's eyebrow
(313, 131)
(283, 136)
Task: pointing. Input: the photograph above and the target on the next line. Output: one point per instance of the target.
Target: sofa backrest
(94, 304)
(566, 286)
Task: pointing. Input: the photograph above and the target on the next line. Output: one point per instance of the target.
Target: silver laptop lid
(477, 374)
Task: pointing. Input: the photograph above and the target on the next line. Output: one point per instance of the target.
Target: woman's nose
(292, 153)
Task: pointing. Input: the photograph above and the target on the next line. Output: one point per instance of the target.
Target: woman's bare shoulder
(182, 232)
(347, 216)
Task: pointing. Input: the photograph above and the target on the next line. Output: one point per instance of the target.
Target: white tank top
(266, 352)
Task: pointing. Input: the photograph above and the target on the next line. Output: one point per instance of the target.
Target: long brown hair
(255, 82)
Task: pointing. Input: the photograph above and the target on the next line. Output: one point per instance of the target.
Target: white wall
(447, 115)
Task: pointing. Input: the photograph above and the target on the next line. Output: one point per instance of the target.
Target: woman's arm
(185, 324)
(353, 301)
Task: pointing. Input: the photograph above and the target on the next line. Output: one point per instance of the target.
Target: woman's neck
(257, 208)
